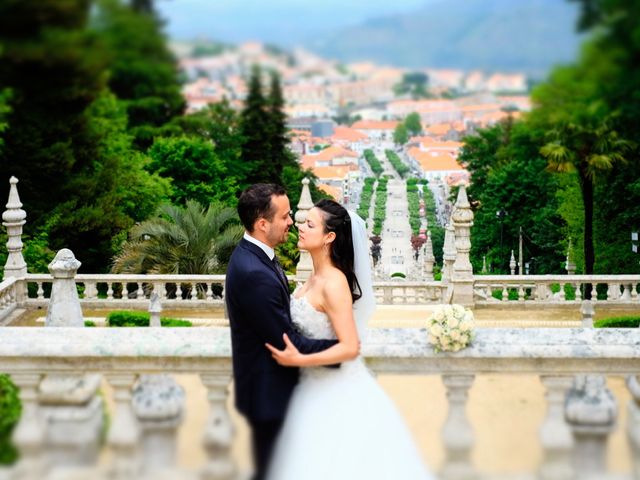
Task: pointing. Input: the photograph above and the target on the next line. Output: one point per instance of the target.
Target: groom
(257, 298)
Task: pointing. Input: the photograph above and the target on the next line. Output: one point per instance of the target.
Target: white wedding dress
(340, 424)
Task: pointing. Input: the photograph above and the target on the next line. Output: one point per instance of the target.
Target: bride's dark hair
(336, 219)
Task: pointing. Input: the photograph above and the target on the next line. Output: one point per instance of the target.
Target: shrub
(89, 323)
(398, 274)
(127, 318)
(630, 321)
(10, 410)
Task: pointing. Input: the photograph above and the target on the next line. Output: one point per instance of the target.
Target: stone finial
(588, 312)
(512, 264)
(64, 305)
(570, 264)
(13, 219)
(155, 308)
(484, 264)
(462, 271)
(448, 252)
(429, 258)
(305, 266)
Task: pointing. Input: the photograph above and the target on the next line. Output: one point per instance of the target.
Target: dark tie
(281, 274)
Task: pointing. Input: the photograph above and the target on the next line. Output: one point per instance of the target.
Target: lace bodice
(315, 324)
(311, 322)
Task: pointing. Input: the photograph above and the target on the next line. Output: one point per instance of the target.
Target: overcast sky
(285, 22)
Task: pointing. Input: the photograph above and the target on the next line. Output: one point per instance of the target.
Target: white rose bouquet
(450, 328)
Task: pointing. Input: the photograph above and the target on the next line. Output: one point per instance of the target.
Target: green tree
(54, 68)
(142, 71)
(10, 410)
(220, 124)
(255, 128)
(181, 240)
(195, 170)
(413, 124)
(106, 197)
(279, 154)
(400, 135)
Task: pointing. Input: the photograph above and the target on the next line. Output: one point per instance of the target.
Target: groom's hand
(289, 357)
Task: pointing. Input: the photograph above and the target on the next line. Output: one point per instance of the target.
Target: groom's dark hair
(255, 203)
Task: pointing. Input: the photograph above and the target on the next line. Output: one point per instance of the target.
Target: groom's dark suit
(257, 299)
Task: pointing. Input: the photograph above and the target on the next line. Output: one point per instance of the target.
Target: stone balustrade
(555, 289)
(122, 356)
(105, 290)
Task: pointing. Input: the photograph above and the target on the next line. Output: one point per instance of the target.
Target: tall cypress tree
(255, 126)
(279, 154)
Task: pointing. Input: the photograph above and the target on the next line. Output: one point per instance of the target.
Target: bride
(340, 424)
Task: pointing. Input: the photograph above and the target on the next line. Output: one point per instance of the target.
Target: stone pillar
(69, 402)
(64, 306)
(218, 435)
(587, 311)
(155, 309)
(158, 403)
(13, 219)
(633, 424)
(512, 264)
(29, 436)
(429, 258)
(462, 273)
(570, 264)
(305, 266)
(555, 435)
(591, 411)
(124, 434)
(457, 434)
(448, 253)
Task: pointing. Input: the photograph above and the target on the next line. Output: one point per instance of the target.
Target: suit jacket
(258, 307)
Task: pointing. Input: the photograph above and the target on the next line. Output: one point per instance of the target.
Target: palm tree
(590, 151)
(190, 240)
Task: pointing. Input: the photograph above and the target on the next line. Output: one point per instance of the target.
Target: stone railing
(208, 290)
(408, 292)
(556, 289)
(134, 290)
(8, 297)
(44, 362)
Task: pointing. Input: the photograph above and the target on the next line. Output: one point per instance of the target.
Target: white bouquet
(450, 328)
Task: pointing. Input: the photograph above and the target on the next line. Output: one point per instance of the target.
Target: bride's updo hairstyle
(336, 219)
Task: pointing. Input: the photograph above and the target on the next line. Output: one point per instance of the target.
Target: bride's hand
(289, 357)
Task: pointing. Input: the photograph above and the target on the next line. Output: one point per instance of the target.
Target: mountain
(491, 35)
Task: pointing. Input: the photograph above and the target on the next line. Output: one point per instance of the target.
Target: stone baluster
(505, 293)
(462, 273)
(633, 423)
(29, 434)
(40, 292)
(457, 433)
(90, 290)
(69, 403)
(561, 293)
(218, 435)
(13, 219)
(140, 291)
(429, 259)
(577, 286)
(448, 253)
(304, 267)
(555, 435)
(124, 434)
(521, 293)
(634, 292)
(158, 403)
(109, 290)
(591, 412)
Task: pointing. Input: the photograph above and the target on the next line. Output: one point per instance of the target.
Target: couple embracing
(314, 409)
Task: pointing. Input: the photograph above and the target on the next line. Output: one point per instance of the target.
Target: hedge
(618, 322)
(398, 164)
(128, 318)
(374, 163)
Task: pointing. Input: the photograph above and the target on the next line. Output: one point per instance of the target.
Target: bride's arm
(338, 307)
